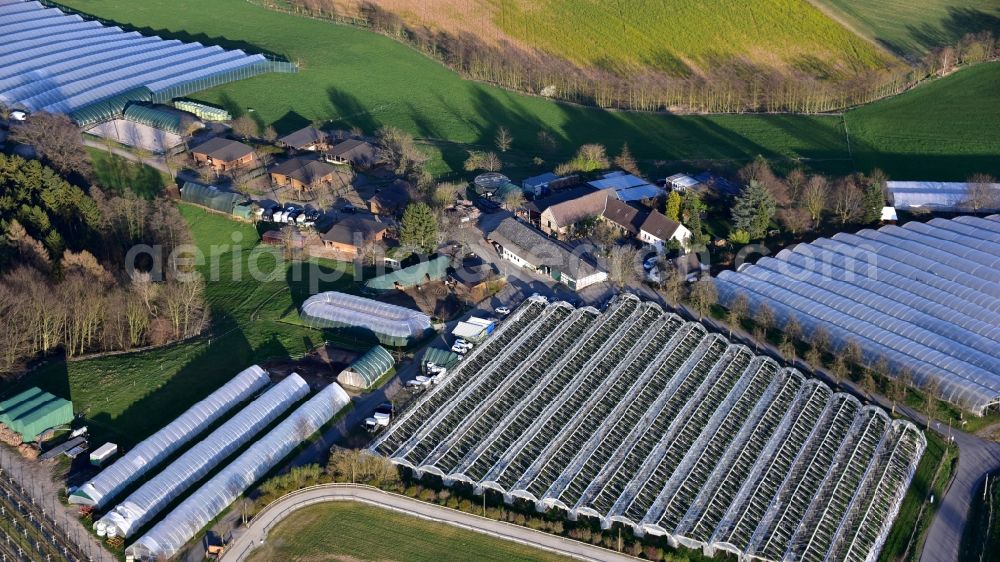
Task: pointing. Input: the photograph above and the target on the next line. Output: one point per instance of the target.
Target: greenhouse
(145, 456)
(208, 501)
(367, 369)
(143, 504)
(33, 411)
(61, 63)
(924, 296)
(416, 274)
(638, 417)
(366, 318)
(203, 111)
(211, 197)
(169, 121)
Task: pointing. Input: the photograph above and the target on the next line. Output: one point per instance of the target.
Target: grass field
(932, 477)
(981, 540)
(350, 531)
(127, 397)
(118, 174)
(911, 28)
(361, 79)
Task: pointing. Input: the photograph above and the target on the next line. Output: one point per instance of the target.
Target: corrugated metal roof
(416, 274)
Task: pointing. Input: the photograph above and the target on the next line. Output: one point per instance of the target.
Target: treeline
(731, 86)
(65, 284)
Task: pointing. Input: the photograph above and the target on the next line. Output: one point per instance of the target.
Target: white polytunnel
(180, 525)
(392, 325)
(924, 296)
(102, 488)
(143, 504)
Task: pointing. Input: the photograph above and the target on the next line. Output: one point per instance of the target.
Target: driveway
(256, 533)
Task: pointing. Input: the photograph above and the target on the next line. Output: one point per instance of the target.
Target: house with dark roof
(348, 236)
(526, 246)
(303, 173)
(357, 153)
(223, 154)
(390, 200)
(657, 230)
(626, 218)
(306, 138)
(556, 215)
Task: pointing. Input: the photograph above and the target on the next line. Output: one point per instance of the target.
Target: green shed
(367, 369)
(243, 210)
(211, 197)
(34, 411)
(417, 274)
(157, 118)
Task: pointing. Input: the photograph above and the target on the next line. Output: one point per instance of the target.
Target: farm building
(474, 329)
(203, 111)
(441, 357)
(145, 456)
(32, 412)
(303, 173)
(627, 187)
(142, 505)
(212, 197)
(525, 246)
(348, 236)
(390, 324)
(540, 185)
(435, 269)
(223, 154)
(61, 63)
(557, 214)
(923, 296)
(357, 153)
(390, 200)
(307, 139)
(167, 537)
(681, 182)
(636, 416)
(944, 196)
(367, 369)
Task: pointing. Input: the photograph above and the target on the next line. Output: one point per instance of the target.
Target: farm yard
(363, 532)
(375, 81)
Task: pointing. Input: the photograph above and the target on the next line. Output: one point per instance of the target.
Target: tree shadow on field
(289, 122)
(351, 111)
(219, 360)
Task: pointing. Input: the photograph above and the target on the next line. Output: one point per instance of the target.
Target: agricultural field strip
(729, 451)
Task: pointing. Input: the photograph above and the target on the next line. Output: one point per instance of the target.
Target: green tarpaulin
(417, 274)
(33, 411)
(368, 368)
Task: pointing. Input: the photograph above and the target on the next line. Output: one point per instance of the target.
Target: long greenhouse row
(58, 62)
(174, 480)
(636, 416)
(924, 296)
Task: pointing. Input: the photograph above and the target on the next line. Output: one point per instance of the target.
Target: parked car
(650, 262)
(502, 310)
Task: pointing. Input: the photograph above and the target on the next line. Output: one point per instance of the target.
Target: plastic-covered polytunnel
(143, 504)
(156, 448)
(201, 507)
(390, 324)
(367, 369)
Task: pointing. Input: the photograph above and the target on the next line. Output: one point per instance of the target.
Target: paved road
(256, 533)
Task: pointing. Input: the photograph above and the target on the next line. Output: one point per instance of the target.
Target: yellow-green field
(913, 27)
(688, 36)
(348, 531)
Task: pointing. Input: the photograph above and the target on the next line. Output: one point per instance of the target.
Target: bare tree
(245, 127)
(626, 161)
(739, 307)
(514, 200)
(848, 198)
(983, 193)
(56, 140)
(622, 265)
(504, 140)
(814, 197)
(703, 295)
